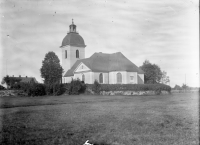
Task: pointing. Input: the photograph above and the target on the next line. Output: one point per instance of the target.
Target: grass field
(103, 120)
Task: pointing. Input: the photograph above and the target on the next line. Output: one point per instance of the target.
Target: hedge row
(132, 87)
(35, 89)
(76, 87)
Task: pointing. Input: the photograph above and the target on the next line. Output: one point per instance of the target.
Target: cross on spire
(72, 27)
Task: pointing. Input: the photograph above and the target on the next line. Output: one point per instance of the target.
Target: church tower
(73, 48)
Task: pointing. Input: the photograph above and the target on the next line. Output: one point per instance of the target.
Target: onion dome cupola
(73, 38)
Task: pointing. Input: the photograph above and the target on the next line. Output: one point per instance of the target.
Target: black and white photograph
(99, 72)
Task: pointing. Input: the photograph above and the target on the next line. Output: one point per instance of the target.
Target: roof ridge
(104, 62)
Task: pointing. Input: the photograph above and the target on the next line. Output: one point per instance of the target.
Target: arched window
(65, 53)
(77, 54)
(83, 77)
(101, 78)
(119, 78)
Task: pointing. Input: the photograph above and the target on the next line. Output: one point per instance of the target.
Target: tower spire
(72, 27)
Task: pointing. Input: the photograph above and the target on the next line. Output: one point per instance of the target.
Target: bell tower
(73, 48)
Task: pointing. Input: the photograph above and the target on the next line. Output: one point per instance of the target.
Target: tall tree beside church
(152, 72)
(51, 69)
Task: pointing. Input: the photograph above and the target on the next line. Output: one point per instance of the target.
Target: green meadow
(103, 120)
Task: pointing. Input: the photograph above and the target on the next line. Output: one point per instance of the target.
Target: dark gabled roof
(25, 79)
(28, 79)
(102, 62)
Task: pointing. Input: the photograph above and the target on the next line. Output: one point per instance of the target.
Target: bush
(32, 89)
(96, 87)
(25, 87)
(2, 87)
(49, 89)
(16, 86)
(67, 88)
(75, 87)
(55, 89)
(36, 90)
(59, 89)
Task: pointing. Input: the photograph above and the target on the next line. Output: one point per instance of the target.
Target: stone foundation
(131, 93)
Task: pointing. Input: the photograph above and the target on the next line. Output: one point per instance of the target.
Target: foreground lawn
(103, 120)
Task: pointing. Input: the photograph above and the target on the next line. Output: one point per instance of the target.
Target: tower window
(65, 53)
(77, 54)
(119, 78)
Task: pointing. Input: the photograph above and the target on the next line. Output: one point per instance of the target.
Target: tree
(165, 78)
(51, 69)
(185, 87)
(10, 81)
(177, 87)
(152, 72)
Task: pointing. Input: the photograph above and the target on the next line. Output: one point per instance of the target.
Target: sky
(164, 32)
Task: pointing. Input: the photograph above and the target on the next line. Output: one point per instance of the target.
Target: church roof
(73, 39)
(102, 62)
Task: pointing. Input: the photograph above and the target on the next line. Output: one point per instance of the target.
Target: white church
(106, 68)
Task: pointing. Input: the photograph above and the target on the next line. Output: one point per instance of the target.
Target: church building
(106, 68)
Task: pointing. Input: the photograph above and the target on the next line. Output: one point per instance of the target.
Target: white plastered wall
(87, 76)
(68, 62)
(96, 77)
(113, 77)
(141, 79)
(66, 79)
(135, 78)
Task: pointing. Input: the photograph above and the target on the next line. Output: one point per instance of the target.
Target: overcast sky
(165, 32)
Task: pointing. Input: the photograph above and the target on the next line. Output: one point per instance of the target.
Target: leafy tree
(152, 72)
(177, 87)
(51, 69)
(10, 81)
(165, 78)
(96, 87)
(184, 86)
